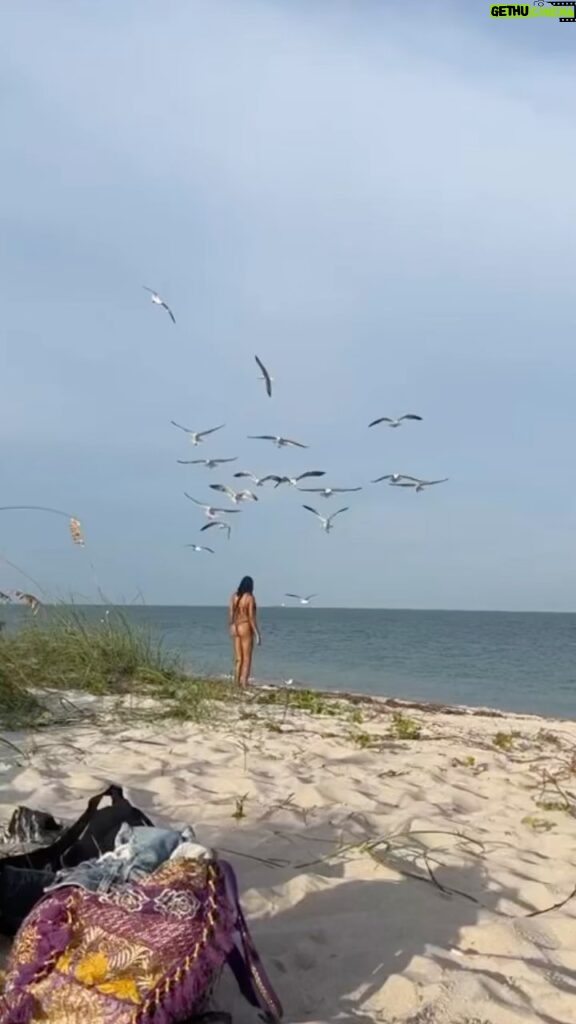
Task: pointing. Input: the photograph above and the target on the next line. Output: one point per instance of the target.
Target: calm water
(512, 661)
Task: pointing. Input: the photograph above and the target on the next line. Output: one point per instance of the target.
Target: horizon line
(309, 608)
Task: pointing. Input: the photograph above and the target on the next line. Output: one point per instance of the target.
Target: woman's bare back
(241, 610)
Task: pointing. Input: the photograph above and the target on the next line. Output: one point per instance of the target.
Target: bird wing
(310, 597)
(345, 490)
(227, 511)
(295, 596)
(402, 483)
(261, 437)
(266, 376)
(195, 500)
(190, 462)
(151, 290)
(235, 459)
(208, 527)
(410, 416)
(282, 480)
(310, 509)
(243, 473)
(381, 419)
(311, 472)
(208, 549)
(180, 427)
(430, 483)
(169, 311)
(312, 490)
(272, 476)
(204, 433)
(223, 488)
(379, 479)
(334, 514)
(295, 444)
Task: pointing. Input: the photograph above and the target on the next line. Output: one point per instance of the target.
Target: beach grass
(109, 657)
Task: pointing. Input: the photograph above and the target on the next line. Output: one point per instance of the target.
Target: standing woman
(243, 629)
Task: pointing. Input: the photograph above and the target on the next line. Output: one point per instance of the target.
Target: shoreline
(397, 703)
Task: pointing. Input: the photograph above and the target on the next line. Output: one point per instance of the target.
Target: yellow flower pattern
(115, 959)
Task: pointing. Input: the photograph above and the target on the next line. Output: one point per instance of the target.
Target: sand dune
(347, 932)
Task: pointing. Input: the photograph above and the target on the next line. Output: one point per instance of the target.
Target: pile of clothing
(135, 935)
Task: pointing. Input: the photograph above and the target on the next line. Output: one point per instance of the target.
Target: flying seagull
(235, 496)
(159, 301)
(394, 478)
(218, 525)
(394, 422)
(294, 480)
(302, 600)
(198, 547)
(209, 511)
(209, 463)
(258, 480)
(268, 380)
(196, 436)
(327, 492)
(325, 521)
(280, 442)
(419, 485)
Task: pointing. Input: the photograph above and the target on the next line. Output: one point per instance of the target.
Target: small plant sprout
(405, 728)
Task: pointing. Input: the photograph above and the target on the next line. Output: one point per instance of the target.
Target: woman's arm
(231, 608)
(254, 621)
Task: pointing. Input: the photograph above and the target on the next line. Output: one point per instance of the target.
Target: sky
(378, 200)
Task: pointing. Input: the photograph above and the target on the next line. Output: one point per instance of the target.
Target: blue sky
(370, 200)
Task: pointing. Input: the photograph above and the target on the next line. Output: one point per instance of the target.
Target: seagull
(159, 301)
(394, 478)
(235, 496)
(419, 485)
(209, 511)
(303, 600)
(294, 480)
(196, 436)
(209, 463)
(218, 525)
(394, 422)
(327, 492)
(280, 442)
(325, 521)
(198, 547)
(258, 480)
(268, 380)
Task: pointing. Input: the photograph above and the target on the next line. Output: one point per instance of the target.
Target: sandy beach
(385, 878)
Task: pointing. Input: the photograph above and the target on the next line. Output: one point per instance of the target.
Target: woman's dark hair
(246, 586)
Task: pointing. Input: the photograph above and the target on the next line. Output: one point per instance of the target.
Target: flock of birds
(238, 495)
(216, 515)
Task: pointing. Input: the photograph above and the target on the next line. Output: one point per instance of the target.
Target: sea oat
(76, 531)
(28, 599)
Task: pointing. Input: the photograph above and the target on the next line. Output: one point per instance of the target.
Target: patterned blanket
(143, 953)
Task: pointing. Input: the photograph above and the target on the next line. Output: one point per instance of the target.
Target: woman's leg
(247, 646)
(237, 648)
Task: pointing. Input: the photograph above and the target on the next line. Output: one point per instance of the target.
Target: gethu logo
(553, 9)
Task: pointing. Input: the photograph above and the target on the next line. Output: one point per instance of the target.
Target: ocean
(522, 662)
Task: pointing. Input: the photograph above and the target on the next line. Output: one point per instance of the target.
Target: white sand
(350, 939)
